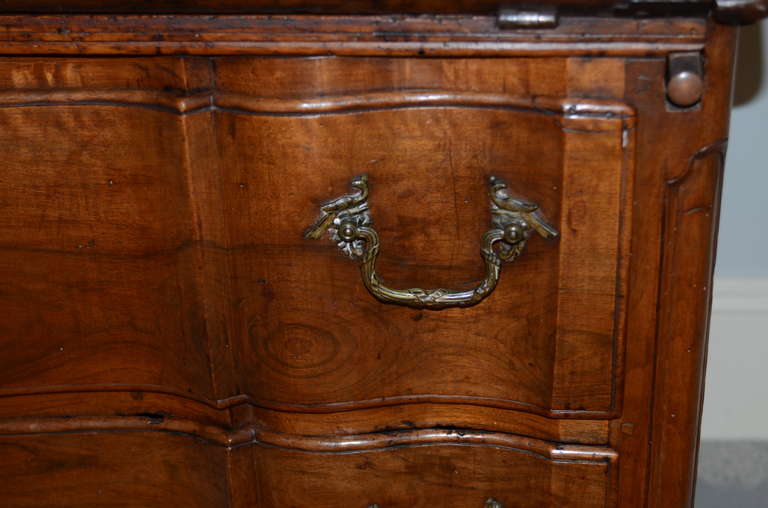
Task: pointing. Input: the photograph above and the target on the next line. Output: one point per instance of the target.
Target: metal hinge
(537, 17)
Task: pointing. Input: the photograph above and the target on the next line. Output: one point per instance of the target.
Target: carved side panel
(692, 204)
(693, 167)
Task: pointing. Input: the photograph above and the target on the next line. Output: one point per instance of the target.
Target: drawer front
(450, 469)
(179, 222)
(312, 336)
(450, 476)
(98, 469)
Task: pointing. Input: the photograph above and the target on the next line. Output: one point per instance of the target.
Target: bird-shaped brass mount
(348, 221)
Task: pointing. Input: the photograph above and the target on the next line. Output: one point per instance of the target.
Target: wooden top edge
(397, 35)
(741, 12)
(726, 11)
(262, 24)
(332, 6)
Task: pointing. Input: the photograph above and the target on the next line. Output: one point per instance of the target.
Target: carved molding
(240, 399)
(690, 223)
(253, 434)
(212, 100)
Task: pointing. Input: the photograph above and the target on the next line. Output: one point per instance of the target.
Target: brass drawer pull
(350, 226)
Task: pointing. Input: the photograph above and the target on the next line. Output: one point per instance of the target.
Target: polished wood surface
(450, 476)
(94, 469)
(306, 6)
(737, 12)
(394, 35)
(173, 338)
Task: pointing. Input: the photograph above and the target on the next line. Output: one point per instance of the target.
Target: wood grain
(631, 432)
(450, 476)
(426, 416)
(94, 251)
(171, 338)
(692, 203)
(92, 469)
(342, 35)
(661, 456)
(414, 112)
(229, 437)
(322, 6)
(335, 353)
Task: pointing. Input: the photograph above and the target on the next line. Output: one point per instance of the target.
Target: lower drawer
(447, 468)
(111, 469)
(449, 475)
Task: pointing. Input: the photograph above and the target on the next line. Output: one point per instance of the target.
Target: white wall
(736, 396)
(743, 249)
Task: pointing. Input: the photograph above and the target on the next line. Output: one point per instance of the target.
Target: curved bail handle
(349, 224)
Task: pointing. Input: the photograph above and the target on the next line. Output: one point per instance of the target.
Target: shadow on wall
(732, 474)
(750, 65)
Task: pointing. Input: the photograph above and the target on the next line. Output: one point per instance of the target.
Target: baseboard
(732, 474)
(741, 295)
(734, 401)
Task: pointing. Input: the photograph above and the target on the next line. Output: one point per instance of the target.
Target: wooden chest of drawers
(182, 193)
